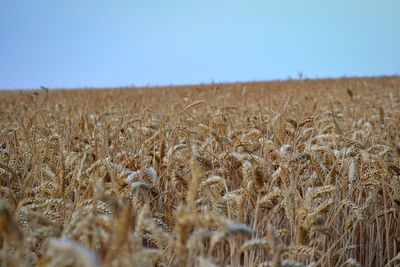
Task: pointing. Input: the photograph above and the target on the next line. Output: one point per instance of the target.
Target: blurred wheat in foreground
(296, 173)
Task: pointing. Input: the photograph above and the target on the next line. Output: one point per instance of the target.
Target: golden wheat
(295, 173)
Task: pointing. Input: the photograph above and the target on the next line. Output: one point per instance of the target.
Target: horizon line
(149, 85)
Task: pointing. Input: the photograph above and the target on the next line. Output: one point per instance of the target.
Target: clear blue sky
(71, 43)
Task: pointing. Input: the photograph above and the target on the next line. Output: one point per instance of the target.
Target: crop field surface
(290, 173)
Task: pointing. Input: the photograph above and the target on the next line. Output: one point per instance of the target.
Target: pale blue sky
(71, 43)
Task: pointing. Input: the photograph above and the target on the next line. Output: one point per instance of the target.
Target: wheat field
(291, 173)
